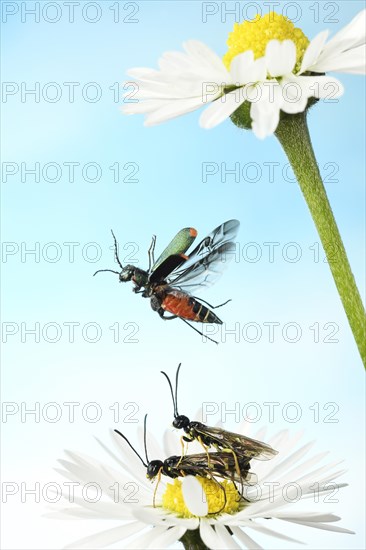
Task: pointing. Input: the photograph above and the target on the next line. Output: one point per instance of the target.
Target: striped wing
(208, 260)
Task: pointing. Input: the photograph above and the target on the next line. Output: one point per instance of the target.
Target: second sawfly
(170, 280)
(230, 461)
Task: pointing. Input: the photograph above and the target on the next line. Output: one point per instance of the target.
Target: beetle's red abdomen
(185, 306)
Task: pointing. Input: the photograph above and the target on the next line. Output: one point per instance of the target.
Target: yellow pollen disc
(174, 502)
(254, 35)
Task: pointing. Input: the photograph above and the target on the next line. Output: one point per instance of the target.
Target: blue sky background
(168, 195)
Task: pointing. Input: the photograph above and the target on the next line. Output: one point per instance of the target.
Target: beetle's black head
(153, 468)
(181, 422)
(127, 273)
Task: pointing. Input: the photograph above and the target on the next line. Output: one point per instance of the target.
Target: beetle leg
(210, 305)
(199, 332)
(161, 312)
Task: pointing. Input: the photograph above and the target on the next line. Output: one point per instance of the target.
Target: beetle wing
(166, 267)
(178, 245)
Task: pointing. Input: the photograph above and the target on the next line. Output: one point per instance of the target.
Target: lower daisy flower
(186, 508)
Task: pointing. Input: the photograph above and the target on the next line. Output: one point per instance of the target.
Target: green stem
(191, 540)
(293, 134)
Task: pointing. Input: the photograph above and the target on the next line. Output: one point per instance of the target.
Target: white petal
(308, 516)
(322, 87)
(108, 537)
(270, 532)
(226, 539)
(194, 496)
(313, 50)
(293, 473)
(203, 53)
(146, 539)
(315, 474)
(351, 36)
(351, 61)
(294, 96)
(245, 539)
(221, 109)
(208, 535)
(323, 526)
(280, 57)
(171, 444)
(258, 71)
(240, 66)
(265, 112)
(142, 107)
(173, 109)
(285, 464)
(169, 537)
(142, 72)
(157, 516)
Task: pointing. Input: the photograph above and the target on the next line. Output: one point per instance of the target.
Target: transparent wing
(218, 464)
(208, 260)
(243, 446)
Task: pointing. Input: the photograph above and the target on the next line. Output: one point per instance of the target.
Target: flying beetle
(170, 280)
(237, 444)
(221, 465)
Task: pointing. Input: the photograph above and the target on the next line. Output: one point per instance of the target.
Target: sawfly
(218, 465)
(239, 445)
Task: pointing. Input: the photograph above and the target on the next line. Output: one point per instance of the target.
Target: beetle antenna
(129, 444)
(175, 412)
(116, 250)
(147, 458)
(176, 387)
(111, 271)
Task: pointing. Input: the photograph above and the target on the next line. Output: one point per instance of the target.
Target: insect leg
(156, 486)
(199, 332)
(225, 500)
(161, 312)
(151, 253)
(184, 451)
(210, 305)
(240, 493)
(237, 467)
(199, 439)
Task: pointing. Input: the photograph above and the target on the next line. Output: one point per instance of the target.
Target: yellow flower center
(174, 502)
(254, 35)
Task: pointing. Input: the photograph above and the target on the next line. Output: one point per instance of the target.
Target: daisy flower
(184, 506)
(266, 81)
(270, 64)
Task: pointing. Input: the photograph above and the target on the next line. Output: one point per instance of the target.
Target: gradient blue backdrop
(168, 195)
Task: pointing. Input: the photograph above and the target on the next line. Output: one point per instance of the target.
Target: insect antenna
(145, 446)
(116, 250)
(175, 411)
(110, 270)
(176, 387)
(130, 445)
